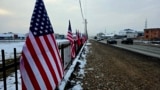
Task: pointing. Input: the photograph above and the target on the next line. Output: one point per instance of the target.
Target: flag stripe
(27, 80)
(55, 49)
(70, 38)
(24, 87)
(33, 49)
(50, 56)
(52, 48)
(30, 73)
(29, 62)
(42, 60)
(44, 53)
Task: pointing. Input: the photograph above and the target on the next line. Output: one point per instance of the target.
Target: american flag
(70, 38)
(79, 39)
(40, 63)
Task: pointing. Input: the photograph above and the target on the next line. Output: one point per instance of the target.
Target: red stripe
(54, 56)
(53, 38)
(23, 85)
(60, 59)
(70, 38)
(30, 72)
(46, 58)
(38, 63)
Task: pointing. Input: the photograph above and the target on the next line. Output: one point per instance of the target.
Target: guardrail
(64, 50)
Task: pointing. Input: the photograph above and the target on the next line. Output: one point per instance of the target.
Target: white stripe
(42, 61)
(25, 77)
(71, 39)
(51, 59)
(58, 56)
(70, 35)
(34, 68)
(55, 50)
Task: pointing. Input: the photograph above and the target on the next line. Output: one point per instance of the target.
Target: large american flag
(40, 63)
(70, 38)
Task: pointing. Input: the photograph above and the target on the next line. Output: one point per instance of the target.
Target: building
(12, 36)
(128, 33)
(152, 34)
(140, 35)
(6, 36)
(59, 36)
(20, 36)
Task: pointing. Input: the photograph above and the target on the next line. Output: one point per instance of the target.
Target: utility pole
(145, 24)
(85, 28)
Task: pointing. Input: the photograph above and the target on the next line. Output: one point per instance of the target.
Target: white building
(111, 35)
(129, 33)
(6, 36)
(11, 36)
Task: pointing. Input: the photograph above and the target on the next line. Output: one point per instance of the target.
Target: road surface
(143, 49)
(112, 68)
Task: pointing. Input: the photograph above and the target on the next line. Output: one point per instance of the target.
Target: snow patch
(80, 58)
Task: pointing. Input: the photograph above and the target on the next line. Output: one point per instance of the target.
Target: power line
(81, 9)
(85, 20)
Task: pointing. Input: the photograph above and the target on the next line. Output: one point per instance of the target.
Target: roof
(6, 35)
(152, 29)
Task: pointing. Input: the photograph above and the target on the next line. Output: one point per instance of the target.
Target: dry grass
(118, 69)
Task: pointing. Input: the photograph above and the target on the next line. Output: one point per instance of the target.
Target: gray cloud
(117, 15)
(114, 15)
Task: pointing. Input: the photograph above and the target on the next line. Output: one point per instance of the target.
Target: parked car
(127, 41)
(111, 41)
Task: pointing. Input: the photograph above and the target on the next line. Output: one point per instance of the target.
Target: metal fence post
(75, 47)
(4, 70)
(62, 53)
(15, 66)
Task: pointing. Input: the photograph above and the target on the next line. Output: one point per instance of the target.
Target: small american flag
(40, 63)
(79, 39)
(70, 38)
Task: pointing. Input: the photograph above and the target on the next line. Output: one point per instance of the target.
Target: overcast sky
(102, 15)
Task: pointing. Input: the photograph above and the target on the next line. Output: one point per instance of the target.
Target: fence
(63, 48)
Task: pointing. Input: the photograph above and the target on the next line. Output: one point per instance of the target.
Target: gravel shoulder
(112, 68)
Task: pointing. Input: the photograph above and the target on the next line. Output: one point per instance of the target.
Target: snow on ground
(81, 58)
(11, 82)
(9, 46)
